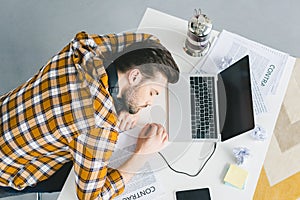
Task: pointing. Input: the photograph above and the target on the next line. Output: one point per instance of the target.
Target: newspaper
(266, 64)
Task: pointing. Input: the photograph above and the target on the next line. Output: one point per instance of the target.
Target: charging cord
(185, 173)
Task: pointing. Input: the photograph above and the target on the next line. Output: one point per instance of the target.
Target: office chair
(53, 184)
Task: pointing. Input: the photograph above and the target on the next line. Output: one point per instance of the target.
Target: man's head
(144, 69)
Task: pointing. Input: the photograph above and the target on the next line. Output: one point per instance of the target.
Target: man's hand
(152, 139)
(127, 121)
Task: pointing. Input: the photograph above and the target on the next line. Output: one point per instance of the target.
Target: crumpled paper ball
(224, 63)
(241, 153)
(259, 133)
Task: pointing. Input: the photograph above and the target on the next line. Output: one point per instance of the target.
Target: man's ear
(134, 76)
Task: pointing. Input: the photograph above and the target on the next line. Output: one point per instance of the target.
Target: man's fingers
(127, 126)
(133, 124)
(124, 123)
(127, 121)
(165, 137)
(144, 130)
(121, 125)
(160, 130)
(148, 130)
(152, 130)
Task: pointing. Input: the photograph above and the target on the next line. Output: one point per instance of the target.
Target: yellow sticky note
(236, 176)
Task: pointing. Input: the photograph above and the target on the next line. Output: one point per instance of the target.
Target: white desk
(212, 176)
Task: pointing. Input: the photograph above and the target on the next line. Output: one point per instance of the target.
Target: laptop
(211, 107)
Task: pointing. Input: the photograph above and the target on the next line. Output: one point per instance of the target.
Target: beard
(128, 101)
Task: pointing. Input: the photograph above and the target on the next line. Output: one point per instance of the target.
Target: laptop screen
(235, 100)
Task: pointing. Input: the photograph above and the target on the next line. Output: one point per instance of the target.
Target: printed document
(266, 64)
(144, 185)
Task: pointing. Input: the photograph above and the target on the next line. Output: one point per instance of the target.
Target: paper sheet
(143, 185)
(266, 64)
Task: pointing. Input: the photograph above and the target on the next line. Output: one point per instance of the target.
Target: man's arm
(91, 51)
(152, 139)
(94, 180)
(92, 151)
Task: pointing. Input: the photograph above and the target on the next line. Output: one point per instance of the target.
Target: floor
(33, 31)
(279, 180)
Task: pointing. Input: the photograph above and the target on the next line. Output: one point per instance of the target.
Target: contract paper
(266, 64)
(144, 185)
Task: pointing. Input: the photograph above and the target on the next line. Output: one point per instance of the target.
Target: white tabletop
(172, 32)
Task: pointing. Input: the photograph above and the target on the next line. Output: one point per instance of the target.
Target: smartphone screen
(201, 194)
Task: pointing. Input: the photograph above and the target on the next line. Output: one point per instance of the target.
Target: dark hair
(149, 57)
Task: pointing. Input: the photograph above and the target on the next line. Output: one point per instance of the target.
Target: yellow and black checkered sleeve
(117, 42)
(92, 149)
(38, 118)
(94, 178)
(90, 51)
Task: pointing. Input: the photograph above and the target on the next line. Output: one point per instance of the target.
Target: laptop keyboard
(203, 113)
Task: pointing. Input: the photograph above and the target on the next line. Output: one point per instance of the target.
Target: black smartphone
(195, 194)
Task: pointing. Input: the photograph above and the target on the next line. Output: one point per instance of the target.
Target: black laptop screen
(235, 100)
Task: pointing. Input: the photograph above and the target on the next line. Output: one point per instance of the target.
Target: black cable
(191, 175)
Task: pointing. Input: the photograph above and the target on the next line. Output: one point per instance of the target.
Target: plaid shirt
(64, 113)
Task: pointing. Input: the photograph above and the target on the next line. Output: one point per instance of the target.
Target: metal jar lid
(200, 24)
